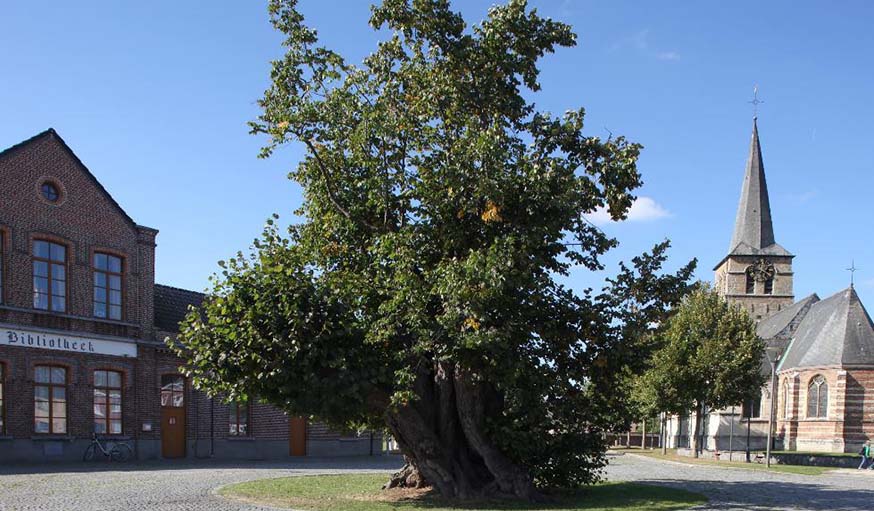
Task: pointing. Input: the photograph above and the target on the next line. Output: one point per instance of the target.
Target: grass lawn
(361, 492)
(737, 463)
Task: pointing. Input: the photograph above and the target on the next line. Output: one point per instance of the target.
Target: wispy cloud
(639, 41)
(644, 209)
(802, 197)
(668, 55)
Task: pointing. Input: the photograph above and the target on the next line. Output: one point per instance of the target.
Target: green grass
(361, 492)
(736, 463)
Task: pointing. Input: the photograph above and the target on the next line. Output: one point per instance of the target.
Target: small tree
(710, 358)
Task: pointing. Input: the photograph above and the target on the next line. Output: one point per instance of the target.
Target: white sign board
(62, 342)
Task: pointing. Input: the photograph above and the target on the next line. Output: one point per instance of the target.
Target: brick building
(823, 349)
(82, 325)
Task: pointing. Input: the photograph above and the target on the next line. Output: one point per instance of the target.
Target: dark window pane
(41, 249)
(40, 269)
(100, 261)
(42, 374)
(114, 379)
(99, 426)
(114, 264)
(58, 252)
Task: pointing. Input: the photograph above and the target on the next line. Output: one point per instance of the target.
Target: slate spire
(753, 223)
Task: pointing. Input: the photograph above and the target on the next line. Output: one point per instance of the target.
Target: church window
(769, 286)
(751, 284)
(785, 399)
(817, 397)
(752, 408)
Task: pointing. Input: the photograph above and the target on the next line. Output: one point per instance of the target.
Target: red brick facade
(84, 219)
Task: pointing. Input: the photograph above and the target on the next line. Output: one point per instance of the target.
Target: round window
(50, 192)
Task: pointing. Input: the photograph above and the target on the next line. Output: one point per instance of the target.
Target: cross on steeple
(852, 269)
(755, 101)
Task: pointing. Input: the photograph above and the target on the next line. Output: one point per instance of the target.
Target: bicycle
(120, 451)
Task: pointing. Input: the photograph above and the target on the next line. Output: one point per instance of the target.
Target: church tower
(757, 272)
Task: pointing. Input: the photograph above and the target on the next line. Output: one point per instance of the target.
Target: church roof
(780, 325)
(836, 331)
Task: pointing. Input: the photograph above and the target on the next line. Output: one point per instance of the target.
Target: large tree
(710, 357)
(422, 293)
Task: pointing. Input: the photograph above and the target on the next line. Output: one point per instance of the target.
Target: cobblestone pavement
(737, 488)
(166, 486)
(190, 486)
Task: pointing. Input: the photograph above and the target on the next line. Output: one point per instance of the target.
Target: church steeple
(753, 225)
(757, 272)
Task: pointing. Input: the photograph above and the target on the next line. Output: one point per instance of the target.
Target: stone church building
(823, 348)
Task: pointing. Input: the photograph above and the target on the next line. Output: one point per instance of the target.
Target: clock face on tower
(761, 270)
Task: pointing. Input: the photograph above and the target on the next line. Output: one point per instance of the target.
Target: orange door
(173, 432)
(172, 416)
(297, 436)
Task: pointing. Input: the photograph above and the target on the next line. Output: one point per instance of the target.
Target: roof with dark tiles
(835, 332)
(171, 306)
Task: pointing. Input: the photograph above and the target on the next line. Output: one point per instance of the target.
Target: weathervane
(756, 101)
(852, 269)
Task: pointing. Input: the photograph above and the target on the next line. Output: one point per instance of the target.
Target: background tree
(711, 358)
(421, 293)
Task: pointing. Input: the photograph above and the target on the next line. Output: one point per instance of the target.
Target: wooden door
(297, 436)
(172, 416)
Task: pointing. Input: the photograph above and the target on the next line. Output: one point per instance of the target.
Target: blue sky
(154, 97)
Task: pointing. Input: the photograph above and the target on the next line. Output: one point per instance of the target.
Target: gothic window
(751, 284)
(817, 398)
(769, 286)
(785, 399)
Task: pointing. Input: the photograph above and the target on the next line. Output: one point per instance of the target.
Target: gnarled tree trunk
(445, 445)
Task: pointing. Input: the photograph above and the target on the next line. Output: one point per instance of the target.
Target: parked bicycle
(119, 451)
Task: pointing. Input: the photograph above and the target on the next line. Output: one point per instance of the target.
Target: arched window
(817, 397)
(751, 284)
(785, 399)
(769, 286)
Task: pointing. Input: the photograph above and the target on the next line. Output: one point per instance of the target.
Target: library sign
(69, 343)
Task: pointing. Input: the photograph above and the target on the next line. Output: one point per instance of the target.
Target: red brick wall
(85, 219)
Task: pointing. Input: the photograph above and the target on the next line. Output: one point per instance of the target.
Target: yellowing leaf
(472, 324)
(492, 213)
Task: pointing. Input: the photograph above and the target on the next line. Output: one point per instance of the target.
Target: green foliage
(710, 357)
(440, 209)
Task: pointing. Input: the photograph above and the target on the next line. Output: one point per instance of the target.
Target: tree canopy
(710, 357)
(422, 293)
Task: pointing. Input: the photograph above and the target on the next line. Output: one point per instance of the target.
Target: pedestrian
(866, 453)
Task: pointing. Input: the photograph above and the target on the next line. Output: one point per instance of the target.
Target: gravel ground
(737, 488)
(162, 487)
(190, 486)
